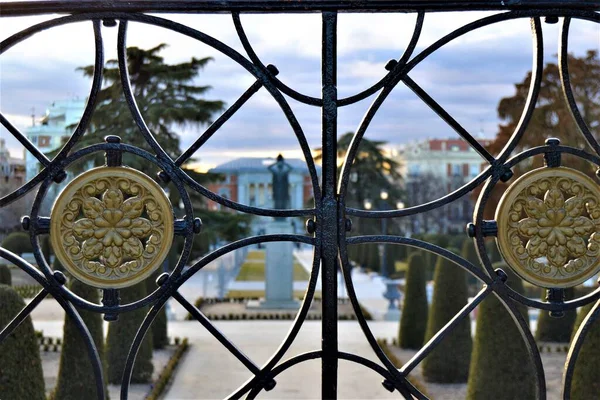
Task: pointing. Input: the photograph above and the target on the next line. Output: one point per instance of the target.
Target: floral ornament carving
(113, 226)
(549, 227)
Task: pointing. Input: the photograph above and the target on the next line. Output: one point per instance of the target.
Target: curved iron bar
(315, 101)
(398, 379)
(292, 332)
(563, 69)
(575, 349)
(52, 287)
(400, 71)
(84, 121)
(30, 147)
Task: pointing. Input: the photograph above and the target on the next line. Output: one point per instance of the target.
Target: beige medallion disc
(111, 227)
(549, 227)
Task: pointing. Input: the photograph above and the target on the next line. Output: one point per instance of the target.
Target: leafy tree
(21, 375)
(413, 321)
(551, 329)
(18, 243)
(552, 117)
(449, 361)
(76, 379)
(500, 365)
(166, 95)
(585, 384)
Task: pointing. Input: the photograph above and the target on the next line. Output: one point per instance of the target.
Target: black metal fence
(329, 220)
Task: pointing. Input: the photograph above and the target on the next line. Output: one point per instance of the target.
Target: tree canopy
(166, 95)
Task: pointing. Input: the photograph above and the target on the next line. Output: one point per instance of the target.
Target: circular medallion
(111, 227)
(549, 227)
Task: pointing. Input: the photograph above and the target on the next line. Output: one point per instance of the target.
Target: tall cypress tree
(551, 329)
(413, 321)
(76, 378)
(449, 361)
(120, 337)
(500, 365)
(21, 375)
(585, 384)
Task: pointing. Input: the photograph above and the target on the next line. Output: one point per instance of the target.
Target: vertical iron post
(329, 223)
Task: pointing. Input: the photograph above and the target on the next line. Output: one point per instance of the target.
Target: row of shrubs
(167, 373)
(496, 363)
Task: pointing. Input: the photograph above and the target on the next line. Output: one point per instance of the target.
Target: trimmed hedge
(18, 243)
(469, 253)
(500, 365)
(76, 379)
(551, 329)
(21, 375)
(585, 384)
(120, 337)
(413, 321)
(449, 361)
(165, 376)
(5, 275)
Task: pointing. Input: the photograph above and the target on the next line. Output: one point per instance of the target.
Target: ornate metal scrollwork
(112, 227)
(549, 227)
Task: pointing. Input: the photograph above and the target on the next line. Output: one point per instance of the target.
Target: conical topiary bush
(120, 337)
(413, 321)
(449, 361)
(5, 275)
(586, 379)
(551, 329)
(76, 379)
(500, 365)
(21, 375)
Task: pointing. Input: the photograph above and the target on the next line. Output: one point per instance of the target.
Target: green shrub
(5, 275)
(469, 253)
(500, 365)
(21, 375)
(76, 378)
(159, 325)
(413, 321)
(449, 361)
(585, 384)
(18, 243)
(120, 336)
(457, 241)
(46, 247)
(551, 329)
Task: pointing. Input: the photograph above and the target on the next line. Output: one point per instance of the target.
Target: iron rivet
(162, 278)
(60, 277)
(272, 69)
(112, 139)
(163, 177)
(311, 226)
(552, 142)
(391, 64)
(109, 22)
(270, 385)
(348, 224)
(506, 175)
(197, 225)
(60, 176)
(388, 385)
(25, 222)
(501, 274)
(471, 229)
(557, 314)
(598, 172)
(551, 19)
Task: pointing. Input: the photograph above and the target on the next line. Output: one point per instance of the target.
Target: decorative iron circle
(549, 227)
(111, 227)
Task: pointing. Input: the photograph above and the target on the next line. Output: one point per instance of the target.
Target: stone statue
(280, 171)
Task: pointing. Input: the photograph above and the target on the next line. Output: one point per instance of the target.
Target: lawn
(253, 270)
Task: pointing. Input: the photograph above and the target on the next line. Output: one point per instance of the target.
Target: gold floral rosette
(549, 227)
(111, 227)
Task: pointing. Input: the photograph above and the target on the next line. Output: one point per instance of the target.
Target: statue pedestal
(279, 270)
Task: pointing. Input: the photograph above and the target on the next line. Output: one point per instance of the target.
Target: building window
(44, 141)
(474, 169)
(455, 169)
(34, 139)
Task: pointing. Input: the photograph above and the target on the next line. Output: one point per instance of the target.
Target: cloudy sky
(468, 76)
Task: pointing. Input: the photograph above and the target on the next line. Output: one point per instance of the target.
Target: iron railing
(329, 219)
